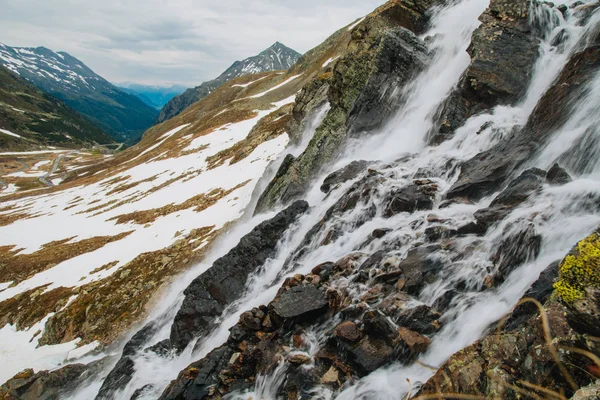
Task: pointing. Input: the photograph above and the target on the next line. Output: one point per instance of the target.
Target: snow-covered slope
(70, 80)
(276, 57)
(109, 239)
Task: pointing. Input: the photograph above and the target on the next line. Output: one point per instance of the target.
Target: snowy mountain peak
(276, 57)
(59, 74)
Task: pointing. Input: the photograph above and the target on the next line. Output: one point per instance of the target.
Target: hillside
(123, 116)
(31, 119)
(276, 57)
(411, 211)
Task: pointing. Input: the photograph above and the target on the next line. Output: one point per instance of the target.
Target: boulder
(503, 52)
(410, 199)
(349, 172)
(557, 176)
(300, 302)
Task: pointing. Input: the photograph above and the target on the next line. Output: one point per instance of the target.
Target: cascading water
(560, 215)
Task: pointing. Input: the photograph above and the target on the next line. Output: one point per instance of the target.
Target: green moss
(580, 270)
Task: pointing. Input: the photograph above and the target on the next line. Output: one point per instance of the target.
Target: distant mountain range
(276, 57)
(154, 96)
(30, 118)
(122, 115)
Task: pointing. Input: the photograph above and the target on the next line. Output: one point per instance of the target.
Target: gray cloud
(175, 41)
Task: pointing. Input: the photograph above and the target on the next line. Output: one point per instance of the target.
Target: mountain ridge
(122, 115)
(276, 57)
(37, 119)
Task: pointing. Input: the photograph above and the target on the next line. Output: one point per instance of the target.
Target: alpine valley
(410, 210)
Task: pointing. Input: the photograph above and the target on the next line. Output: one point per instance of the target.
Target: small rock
(416, 342)
(299, 359)
(348, 331)
(557, 176)
(331, 376)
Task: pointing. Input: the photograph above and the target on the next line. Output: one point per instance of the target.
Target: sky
(163, 42)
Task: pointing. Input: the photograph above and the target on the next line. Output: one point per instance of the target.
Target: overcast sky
(172, 41)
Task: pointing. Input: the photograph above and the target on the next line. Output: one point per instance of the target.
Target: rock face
(503, 51)
(382, 56)
(208, 295)
(528, 356)
(276, 57)
(256, 343)
(481, 175)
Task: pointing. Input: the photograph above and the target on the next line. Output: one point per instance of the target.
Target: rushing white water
(560, 215)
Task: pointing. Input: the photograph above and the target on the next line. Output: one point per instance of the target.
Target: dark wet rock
(138, 340)
(422, 319)
(541, 291)
(349, 172)
(472, 228)
(419, 268)
(249, 352)
(484, 173)
(44, 385)
(487, 171)
(164, 348)
(515, 249)
(117, 379)
(379, 233)
(410, 199)
(378, 325)
(401, 56)
(209, 294)
(436, 233)
(373, 260)
(300, 301)
(516, 193)
(141, 392)
(503, 51)
(371, 354)
(520, 189)
(558, 176)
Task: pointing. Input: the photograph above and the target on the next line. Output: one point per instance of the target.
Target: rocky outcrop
(550, 351)
(481, 175)
(208, 295)
(257, 344)
(46, 385)
(382, 56)
(503, 51)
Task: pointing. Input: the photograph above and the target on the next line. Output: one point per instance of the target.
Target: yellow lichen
(580, 270)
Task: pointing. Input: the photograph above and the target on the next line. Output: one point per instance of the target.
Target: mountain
(123, 116)
(276, 57)
(154, 96)
(31, 119)
(409, 212)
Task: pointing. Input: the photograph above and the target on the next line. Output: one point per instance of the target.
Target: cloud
(175, 41)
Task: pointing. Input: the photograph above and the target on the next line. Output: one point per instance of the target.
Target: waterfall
(560, 215)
